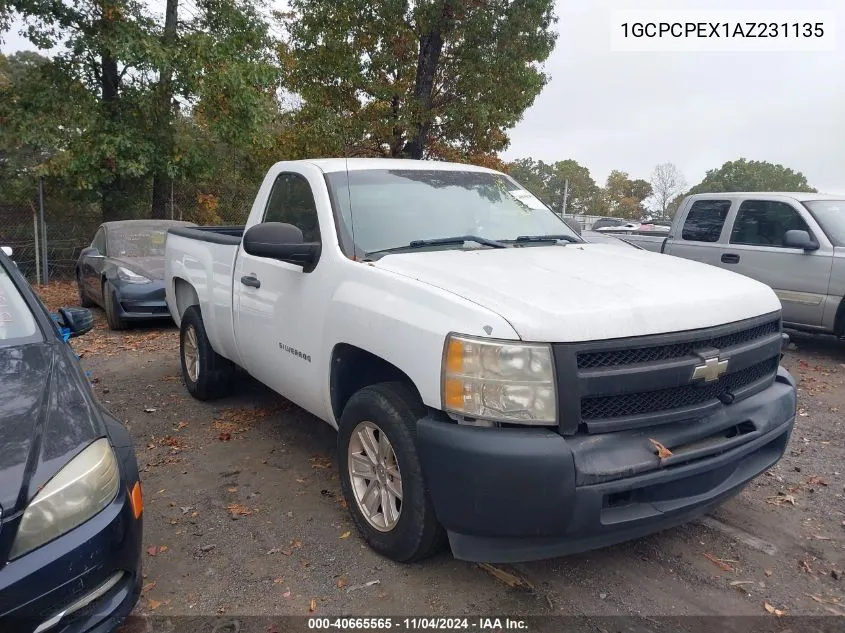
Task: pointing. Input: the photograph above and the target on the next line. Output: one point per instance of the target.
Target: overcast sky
(633, 110)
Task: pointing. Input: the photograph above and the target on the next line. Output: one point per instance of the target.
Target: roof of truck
(329, 165)
(801, 196)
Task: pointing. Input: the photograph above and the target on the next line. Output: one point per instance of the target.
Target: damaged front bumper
(508, 495)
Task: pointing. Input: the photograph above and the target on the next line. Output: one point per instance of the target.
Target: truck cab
(792, 242)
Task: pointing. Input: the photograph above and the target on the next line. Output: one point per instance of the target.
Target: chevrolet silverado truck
(494, 380)
(792, 242)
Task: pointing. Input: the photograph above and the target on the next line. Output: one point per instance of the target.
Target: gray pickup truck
(793, 242)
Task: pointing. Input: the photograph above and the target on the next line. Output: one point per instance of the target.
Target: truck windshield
(17, 323)
(390, 208)
(830, 214)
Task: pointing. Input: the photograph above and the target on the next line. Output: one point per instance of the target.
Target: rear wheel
(206, 373)
(111, 307)
(84, 301)
(381, 476)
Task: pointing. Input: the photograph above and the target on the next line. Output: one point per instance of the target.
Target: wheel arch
(353, 368)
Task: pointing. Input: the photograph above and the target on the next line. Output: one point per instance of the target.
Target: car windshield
(17, 323)
(830, 214)
(390, 208)
(137, 241)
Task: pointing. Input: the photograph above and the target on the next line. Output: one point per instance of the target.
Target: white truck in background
(494, 379)
(792, 242)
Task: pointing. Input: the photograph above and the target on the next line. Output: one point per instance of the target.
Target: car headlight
(499, 380)
(86, 485)
(132, 277)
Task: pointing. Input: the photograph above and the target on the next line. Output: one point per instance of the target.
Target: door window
(765, 222)
(705, 220)
(292, 202)
(100, 241)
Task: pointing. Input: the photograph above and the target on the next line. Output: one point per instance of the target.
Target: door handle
(251, 281)
(730, 258)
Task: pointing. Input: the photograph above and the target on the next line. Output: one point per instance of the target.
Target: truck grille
(643, 381)
(674, 398)
(592, 360)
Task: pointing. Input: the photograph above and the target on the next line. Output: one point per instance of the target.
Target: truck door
(699, 234)
(800, 278)
(277, 305)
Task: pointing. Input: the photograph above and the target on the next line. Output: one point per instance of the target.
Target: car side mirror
(284, 242)
(77, 321)
(91, 251)
(800, 239)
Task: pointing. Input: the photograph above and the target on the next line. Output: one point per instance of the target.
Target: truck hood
(585, 292)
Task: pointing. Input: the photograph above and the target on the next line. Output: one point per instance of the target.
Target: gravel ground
(243, 513)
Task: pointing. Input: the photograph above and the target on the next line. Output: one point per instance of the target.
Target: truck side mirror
(284, 242)
(800, 239)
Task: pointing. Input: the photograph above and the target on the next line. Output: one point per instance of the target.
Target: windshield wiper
(459, 239)
(548, 238)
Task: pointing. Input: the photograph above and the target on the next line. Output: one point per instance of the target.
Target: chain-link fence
(46, 245)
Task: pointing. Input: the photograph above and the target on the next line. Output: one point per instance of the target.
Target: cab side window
(705, 220)
(765, 222)
(292, 202)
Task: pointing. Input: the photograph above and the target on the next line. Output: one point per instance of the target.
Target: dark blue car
(70, 494)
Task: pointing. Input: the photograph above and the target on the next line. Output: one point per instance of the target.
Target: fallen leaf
(300, 480)
(232, 489)
(162, 549)
(341, 582)
(195, 514)
(819, 537)
(662, 451)
(718, 562)
(825, 600)
(154, 604)
(506, 577)
(151, 550)
(287, 552)
(278, 581)
(313, 606)
(296, 543)
(773, 611)
(346, 534)
(237, 509)
(781, 500)
(818, 481)
(148, 586)
(225, 437)
(149, 410)
(769, 572)
(286, 594)
(805, 566)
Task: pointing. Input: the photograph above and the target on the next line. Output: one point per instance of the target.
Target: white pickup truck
(493, 378)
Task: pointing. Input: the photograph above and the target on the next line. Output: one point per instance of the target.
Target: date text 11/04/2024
(491, 624)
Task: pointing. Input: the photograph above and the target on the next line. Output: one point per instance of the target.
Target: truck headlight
(86, 485)
(499, 380)
(130, 276)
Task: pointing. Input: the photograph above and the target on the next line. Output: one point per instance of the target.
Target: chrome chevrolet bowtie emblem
(711, 370)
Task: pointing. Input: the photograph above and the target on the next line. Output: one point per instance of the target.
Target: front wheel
(381, 476)
(84, 301)
(206, 373)
(111, 308)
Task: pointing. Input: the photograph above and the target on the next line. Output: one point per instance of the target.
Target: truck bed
(230, 235)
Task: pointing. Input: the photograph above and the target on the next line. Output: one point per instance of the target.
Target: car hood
(151, 267)
(46, 417)
(585, 292)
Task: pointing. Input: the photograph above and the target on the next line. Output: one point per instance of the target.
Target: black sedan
(70, 494)
(122, 271)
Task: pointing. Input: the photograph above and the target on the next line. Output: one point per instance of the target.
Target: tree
(533, 175)
(666, 183)
(625, 196)
(745, 175)
(425, 78)
(582, 187)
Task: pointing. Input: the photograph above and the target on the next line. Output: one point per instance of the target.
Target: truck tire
(206, 373)
(377, 436)
(110, 307)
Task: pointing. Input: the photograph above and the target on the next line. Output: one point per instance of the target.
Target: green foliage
(745, 175)
(548, 182)
(359, 68)
(624, 196)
